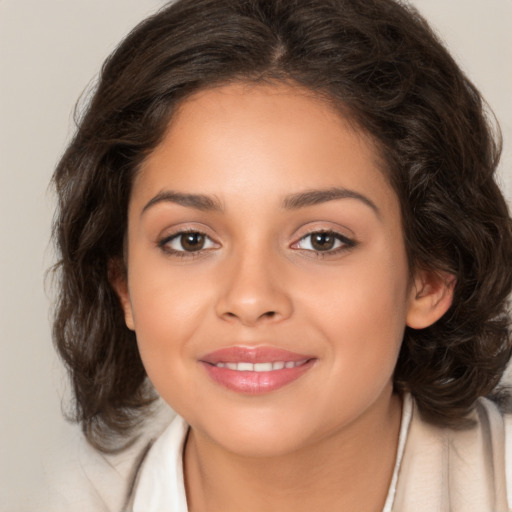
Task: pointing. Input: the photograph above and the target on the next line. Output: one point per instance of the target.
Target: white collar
(161, 488)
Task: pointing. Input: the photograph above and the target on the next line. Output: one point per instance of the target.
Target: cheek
(164, 295)
(361, 310)
(167, 313)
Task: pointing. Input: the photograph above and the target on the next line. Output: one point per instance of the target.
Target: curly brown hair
(377, 61)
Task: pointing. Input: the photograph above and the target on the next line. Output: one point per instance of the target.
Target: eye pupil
(322, 241)
(192, 241)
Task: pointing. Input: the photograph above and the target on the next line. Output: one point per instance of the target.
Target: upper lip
(262, 354)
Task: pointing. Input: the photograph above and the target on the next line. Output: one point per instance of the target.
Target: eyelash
(163, 244)
(346, 244)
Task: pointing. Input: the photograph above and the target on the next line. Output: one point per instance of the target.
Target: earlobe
(431, 297)
(119, 282)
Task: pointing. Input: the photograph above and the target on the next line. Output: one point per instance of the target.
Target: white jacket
(437, 470)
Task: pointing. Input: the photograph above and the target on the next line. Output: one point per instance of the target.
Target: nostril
(267, 314)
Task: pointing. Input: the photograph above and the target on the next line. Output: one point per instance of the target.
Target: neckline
(161, 486)
(402, 438)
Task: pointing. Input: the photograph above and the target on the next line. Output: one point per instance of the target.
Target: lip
(262, 354)
(255, 382)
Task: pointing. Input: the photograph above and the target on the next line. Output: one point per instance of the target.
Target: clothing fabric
(458, 471)
(437, 469)
(160, 485)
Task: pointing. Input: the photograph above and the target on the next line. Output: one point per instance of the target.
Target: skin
(257, 281)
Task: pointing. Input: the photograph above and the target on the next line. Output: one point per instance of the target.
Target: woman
(283, 216)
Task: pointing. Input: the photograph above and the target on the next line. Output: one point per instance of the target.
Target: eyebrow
(291, 202)
(312, 197)
(198, 201)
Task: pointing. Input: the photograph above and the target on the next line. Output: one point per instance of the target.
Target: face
(267, 275)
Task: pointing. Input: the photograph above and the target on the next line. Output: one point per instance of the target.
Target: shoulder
(81, 479)
(159, 483)
(460, 470)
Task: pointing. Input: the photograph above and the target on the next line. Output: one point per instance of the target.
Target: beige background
(49, 52)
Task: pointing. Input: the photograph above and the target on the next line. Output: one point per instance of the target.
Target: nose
(252, 292)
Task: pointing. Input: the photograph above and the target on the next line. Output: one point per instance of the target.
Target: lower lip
(256, 383)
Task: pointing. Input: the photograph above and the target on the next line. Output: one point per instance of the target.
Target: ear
(119, 281)
(431, 297)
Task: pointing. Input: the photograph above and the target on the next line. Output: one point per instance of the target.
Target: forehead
(262, 140)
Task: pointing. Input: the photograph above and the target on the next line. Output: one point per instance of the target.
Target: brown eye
(192, 241)
(187, 242)
(322, 241)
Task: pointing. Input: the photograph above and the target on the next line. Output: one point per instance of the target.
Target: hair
(378, 62)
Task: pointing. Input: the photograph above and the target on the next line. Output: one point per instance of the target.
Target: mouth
(255, 370)
(268, 366)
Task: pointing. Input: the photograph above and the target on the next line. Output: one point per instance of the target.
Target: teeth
(260, 367)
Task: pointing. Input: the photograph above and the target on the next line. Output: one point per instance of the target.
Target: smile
(255, 370)
(260, 367)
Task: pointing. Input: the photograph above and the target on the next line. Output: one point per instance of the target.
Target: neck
(349, 470)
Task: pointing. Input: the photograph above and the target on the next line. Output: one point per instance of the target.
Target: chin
(258, 434)
(275, 444)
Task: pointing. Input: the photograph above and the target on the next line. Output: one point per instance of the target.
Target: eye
(187, 241)
(324, 241)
